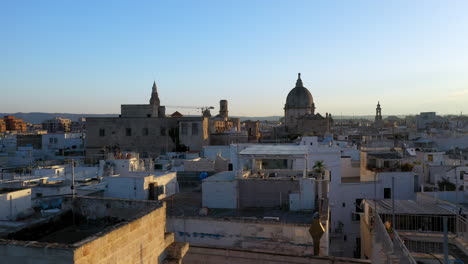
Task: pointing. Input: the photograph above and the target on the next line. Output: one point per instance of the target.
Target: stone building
(94, 230)
(253, 130)
(299, 113)
(223, 129)
(221, 123)
(145, 129)
(57, 125)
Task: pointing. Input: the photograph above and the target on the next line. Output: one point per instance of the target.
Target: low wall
(206, 255)
(254, 235)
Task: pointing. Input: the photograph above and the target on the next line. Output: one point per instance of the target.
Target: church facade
(299, 113)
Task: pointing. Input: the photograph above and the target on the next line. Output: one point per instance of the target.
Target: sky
(92, 56)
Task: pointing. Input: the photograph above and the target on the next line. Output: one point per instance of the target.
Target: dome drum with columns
(299, 113)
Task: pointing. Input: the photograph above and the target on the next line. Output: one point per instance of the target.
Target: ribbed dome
(299, 96)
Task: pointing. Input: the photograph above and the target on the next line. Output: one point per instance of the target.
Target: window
(102, 132)
(51, 140)
(462, 173)
(430, 158)
(194, 129)
(387, 193)
(184, 129)
(128, 131)
(145, 131)
(356, 216)
(55, 140)
(163, 131)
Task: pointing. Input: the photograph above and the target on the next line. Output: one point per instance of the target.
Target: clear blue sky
(92, 56)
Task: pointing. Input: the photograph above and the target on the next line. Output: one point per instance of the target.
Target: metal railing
(391, 248)
(462, 228)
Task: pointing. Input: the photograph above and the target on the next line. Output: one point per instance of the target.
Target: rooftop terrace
(188, 204)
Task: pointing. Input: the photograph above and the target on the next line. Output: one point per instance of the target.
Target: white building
(64, 144)
(131, 178)
(141, 186)
(14, 202)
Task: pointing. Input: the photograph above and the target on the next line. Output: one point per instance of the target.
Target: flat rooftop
(222, 176)
(69, 227)
(9, 190)
(65, 228)
(188, 204)
(274, 150)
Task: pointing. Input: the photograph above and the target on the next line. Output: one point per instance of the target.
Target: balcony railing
(392, 248)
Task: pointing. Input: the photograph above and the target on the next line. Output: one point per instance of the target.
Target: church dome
(299, 96)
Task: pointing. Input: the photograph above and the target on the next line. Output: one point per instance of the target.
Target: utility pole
(393, 204)
(73, 178)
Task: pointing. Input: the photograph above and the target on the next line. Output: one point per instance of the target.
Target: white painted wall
(343, 197)
(220, 193)
(14, 202)
(211, 152)
(137, 185)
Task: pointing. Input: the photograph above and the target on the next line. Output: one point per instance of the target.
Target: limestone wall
(140, 241)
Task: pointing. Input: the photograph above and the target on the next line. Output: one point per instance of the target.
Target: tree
(319, 167)
(407, 167)
(446, 185)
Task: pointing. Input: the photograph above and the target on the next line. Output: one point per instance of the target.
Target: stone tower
(378, 115)
(154, 95)
(223, 109)
(158, 110)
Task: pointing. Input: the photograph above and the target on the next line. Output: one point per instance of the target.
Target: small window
(102, 132)
(430, 158)
(194, 129)
(145, 131)
(184, 129)
(163, 131)
(344, 204)
(128, 131)
(38, 195)
(462, 174)
(55, 140)
(51, 140)
(387, 193)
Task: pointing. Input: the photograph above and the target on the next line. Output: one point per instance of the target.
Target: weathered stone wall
(140, 241)
(273, 237)
(157, 141)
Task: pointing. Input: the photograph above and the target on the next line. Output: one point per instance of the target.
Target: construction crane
(201, 108)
